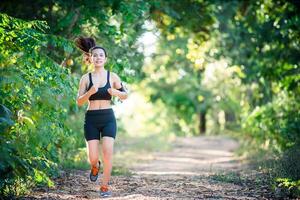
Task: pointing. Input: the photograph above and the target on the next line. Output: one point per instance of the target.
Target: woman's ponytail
(85, 43)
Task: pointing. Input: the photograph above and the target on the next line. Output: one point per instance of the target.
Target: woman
(97, 88)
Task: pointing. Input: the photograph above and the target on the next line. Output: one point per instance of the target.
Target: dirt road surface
(196, 168)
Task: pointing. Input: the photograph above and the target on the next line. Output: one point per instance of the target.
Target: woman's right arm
(82, 95)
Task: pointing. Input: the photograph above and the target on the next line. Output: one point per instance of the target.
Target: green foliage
(256, 87)
(274, 129)
(120, 170)
(115, 25)
(260, 39)
(287, 187)
(194, 16)
(282, 168)
(36, 95)
(276, 124)
(38, 110)
(264, 38)
(231, 177)
(5, 118)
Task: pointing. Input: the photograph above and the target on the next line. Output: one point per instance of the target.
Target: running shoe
(104, 191)
(94, 172)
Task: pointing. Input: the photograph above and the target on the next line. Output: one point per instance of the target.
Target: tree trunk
(229, 116)
(202, 124)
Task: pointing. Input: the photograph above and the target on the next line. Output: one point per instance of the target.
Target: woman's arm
(82, 95)
(118, 90)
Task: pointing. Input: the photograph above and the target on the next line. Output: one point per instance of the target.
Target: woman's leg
(107, 153)
(93, 152)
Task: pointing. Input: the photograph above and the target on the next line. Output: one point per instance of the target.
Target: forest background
(192, 67)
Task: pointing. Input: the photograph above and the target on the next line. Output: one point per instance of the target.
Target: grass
(121, 171)
(281, 169)
(130, 150)
(230, 177)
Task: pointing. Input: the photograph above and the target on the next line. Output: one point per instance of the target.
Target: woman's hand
(92, 90)
(113, 92)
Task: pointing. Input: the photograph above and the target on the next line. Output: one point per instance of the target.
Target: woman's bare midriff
(99, 104)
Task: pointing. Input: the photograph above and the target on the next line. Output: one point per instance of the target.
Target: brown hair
(87, 45)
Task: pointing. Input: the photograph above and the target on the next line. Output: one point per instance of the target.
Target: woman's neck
(99, 70)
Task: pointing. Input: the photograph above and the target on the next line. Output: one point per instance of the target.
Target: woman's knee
(94, 160)
(107, 154)
(93, 149)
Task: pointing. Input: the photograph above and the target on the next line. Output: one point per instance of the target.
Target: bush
(275, 125)
(275, 129)
(36, 94)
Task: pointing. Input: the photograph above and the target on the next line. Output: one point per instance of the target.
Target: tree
(116, 25)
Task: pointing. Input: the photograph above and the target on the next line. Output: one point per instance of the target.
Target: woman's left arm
(117, 90)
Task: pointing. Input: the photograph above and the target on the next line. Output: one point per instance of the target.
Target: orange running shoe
(94, 172)
(104, 191)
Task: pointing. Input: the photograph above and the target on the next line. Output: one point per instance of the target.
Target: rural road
(196, 168)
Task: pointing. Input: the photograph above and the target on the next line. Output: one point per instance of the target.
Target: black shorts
(100, 123)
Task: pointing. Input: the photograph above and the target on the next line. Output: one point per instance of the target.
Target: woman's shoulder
(85, 76)
(114, 75)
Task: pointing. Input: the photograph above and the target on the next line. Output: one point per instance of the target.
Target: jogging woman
(97, 88)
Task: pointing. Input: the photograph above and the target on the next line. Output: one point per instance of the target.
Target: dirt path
(196, 168)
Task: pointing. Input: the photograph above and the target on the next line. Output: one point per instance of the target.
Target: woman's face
(98, 57)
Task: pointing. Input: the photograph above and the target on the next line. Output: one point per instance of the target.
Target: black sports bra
(102, 93)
